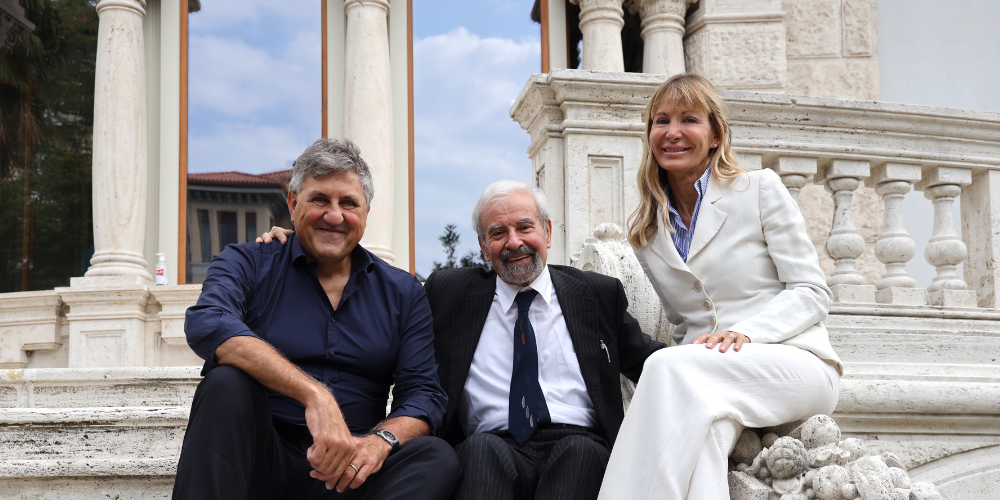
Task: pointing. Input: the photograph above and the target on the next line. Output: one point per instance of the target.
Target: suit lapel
(580, 314)
(663, 246)
(710, 218)
(471, 310)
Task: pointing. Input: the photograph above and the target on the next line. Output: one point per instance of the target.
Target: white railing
(586, 143)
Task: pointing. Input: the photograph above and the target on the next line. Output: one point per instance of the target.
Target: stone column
(895, 247)
(119, 168)
(601, 22)
(662, 34)
(844, 244)
(981, 232)
(946, 250)
(368, 111)
(794, 172)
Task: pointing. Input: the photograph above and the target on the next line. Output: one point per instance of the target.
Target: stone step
(90, 453)
(98, 387)
(31, 434)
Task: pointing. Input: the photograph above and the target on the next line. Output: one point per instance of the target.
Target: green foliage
(449, 241)
(46, 123)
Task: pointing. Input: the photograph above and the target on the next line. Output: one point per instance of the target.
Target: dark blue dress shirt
(380, 334)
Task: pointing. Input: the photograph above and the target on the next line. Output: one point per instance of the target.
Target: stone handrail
(586, 144)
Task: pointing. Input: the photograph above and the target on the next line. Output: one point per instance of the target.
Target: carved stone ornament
(813, 463)
(12, 24)
(649, 8)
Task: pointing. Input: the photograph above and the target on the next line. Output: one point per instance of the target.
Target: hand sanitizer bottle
(161, 269)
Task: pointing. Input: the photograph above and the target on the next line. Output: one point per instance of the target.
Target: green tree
(449, 241)
(46, 123)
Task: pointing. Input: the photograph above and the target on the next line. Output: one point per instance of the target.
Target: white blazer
(751, 269)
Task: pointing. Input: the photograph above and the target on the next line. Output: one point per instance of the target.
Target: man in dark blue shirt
(302, 343)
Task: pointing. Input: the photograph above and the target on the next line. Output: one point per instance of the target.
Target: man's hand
(276, 233)
(370, 453)
(333, 446)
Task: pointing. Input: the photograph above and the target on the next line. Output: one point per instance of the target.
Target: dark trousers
(559, 462)
(234, 450)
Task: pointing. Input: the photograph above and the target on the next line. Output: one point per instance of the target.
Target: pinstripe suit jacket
(595, 309)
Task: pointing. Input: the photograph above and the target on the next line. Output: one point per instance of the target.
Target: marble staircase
(92, 433)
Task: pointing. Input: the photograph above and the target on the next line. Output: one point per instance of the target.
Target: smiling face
(329, 214)
(681, 139)
(517, 242)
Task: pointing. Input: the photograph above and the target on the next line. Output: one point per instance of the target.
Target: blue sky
(255, 91)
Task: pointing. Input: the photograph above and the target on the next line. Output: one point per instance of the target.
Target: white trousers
(692, 403)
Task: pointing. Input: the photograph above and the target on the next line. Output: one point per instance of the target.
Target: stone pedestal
(737, 45)
(107, 321)
(368, 111)
(119, 173)
(172, 349)
(29, 321)
(601, 22)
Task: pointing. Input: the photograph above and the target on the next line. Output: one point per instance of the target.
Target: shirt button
(707, 305)
(712, 324)
(697, 286)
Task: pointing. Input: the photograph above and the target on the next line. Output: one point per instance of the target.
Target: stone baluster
(368, 111)
(794, 172)
(601, 22)
(946, 250)
(119, 154)
(895, 247)
(662, 34)
(845, 244)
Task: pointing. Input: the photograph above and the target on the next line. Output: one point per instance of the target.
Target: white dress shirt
(486, 395)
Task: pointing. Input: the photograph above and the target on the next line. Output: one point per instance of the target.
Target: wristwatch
(388, 437)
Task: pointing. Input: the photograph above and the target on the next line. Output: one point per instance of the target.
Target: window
(227, 229)
(206, 235)
(251, 223)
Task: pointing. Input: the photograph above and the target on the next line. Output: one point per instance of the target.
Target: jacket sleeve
(806, 299)
(634, 345)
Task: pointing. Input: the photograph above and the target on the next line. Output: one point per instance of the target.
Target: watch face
(389, 437)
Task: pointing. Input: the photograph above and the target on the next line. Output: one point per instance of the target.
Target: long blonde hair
(696, 93)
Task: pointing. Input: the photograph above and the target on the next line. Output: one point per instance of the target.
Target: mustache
(520, 251)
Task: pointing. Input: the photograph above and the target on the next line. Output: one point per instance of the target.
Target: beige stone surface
(738, 56)
(832, 48)
(856, 78)
(813, 28)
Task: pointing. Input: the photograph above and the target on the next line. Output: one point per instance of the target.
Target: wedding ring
(356, 471)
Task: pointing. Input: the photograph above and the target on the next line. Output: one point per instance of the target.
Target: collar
(360, 257)
(542, 284)
(700, 185)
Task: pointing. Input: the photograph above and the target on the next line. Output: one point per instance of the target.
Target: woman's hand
(723, 339)
(276, 233)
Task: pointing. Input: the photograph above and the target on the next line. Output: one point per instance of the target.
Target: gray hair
(326, 156)
(502, 189)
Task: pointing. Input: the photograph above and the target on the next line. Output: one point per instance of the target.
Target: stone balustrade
(586, 140)
(918, 381)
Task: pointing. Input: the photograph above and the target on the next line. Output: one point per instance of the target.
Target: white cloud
(255, 84)
(245, 148)
(465, 139)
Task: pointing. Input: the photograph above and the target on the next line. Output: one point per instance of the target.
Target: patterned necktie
(527, 403)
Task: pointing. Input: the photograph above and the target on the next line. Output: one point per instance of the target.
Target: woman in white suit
(727, 252)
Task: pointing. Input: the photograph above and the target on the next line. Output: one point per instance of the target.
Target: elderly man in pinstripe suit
(530, 355)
